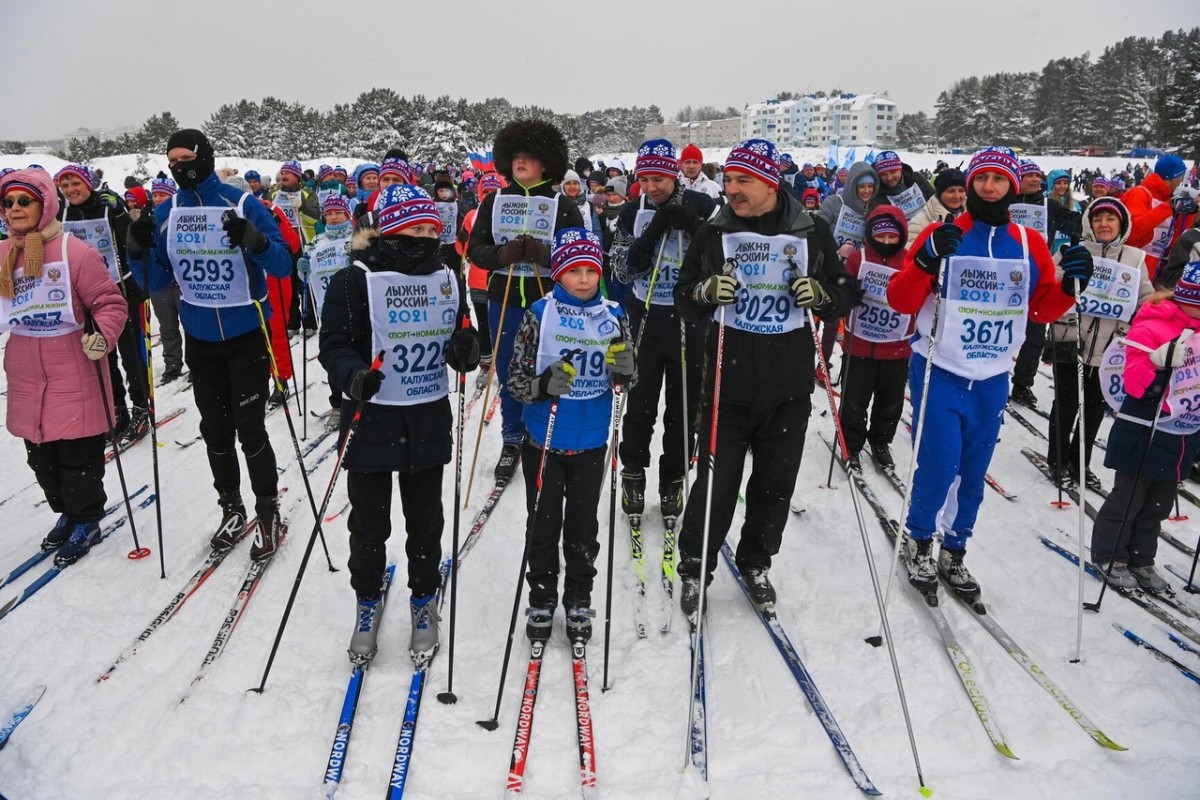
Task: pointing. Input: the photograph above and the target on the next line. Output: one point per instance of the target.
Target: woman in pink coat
(51, 285)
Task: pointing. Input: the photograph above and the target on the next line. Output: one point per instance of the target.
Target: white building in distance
(810, 121)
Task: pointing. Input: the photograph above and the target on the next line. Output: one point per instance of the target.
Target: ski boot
(1149, 579)
(139, 426)
(854, 464)
(506, 467)
(1120, 577)
(120, 423)
(1023, 395)
(537, 623)
(58, 534)
(881, 454)
(83, 536)
(633, 492)
(485, 372)
(579, 624)
(953, 571)
(670, 500)
(364, 643)
(762, 593)
(922, 570)
(278, 397)
(424, 640)
(270, 530)
(233, 522)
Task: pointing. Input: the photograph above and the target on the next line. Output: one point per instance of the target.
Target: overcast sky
(100, 64)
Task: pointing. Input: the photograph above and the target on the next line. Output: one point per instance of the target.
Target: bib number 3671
(987, 331)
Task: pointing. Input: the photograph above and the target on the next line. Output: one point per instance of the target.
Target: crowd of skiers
(713, 298)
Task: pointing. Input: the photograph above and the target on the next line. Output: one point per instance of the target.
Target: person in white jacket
(693, 177)
(948, 201)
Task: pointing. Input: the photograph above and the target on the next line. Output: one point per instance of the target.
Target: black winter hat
(536, 138)
(582, 165)
(949, 178)
(193, 140)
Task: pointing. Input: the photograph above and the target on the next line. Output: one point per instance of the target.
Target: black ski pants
(776, 435)
(878, 384)
(370, 526)
(568, 510)
(1137, 540)
(71, 474)
(658, 360)
(129, 346)
(1064, 428)
(231, 381)
(1029, 354)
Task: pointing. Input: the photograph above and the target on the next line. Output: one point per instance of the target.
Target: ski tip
(1006, 751)
(447, 698)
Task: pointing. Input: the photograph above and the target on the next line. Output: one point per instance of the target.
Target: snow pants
(370, 525)
(567, 509)
(1134, 540)
(504, 333)
(129, 345)
(278, 290)
(230, 380)
(1064, 429)
(1029, 354)
(776, 436)
(71, 474)
(876, 383)
(166, 309)
(959, 437)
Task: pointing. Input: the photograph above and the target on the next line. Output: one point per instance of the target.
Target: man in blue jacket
(219, 244)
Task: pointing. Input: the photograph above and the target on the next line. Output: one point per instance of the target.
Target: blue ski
(20, 714)
(1159, 654)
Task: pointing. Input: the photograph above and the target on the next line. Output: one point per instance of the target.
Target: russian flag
(482, 161)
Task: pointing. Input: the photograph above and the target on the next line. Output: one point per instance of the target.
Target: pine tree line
(1139, 92)
(440, 129)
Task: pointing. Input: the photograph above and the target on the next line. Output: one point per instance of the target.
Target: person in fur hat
(511, 239)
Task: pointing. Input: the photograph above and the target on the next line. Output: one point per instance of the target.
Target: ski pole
(612, 526)
(312, 539)
(845, 380)
(689, 421)
(494, 722)
(303, 365)
(1057, 444)
(138, 552)
(1095, 607)
(856, 501)
(150, 407)
(1079, 417)
(1191, 585)
(448, 696)
(727, 268)
(488, 389)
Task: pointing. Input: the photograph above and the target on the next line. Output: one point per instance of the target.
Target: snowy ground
(130, 736)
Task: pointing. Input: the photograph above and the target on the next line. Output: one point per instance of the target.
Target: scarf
(33, 243)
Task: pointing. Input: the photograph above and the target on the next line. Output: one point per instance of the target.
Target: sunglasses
(24, 201)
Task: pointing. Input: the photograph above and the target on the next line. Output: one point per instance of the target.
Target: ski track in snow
(130, 735)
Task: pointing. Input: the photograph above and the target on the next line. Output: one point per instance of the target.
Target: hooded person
(948, 201)
(1108, 306)
(572, 188)
(219, 244)
(452, 209)
(59, 400)
(406, 423)
(968, 377)
(899, 184)
(512, 239)
(846, 213)
(787, 265)
(811, 199)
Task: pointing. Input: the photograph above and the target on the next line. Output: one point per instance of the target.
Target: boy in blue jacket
(572, 350)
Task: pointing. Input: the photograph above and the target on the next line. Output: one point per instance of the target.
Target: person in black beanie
(219, 243)
(948, 201)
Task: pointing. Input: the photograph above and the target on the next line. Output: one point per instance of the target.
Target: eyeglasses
(24, 201)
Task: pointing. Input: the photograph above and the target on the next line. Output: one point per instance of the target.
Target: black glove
(679, 217)
(242, 233)
(512, 252)
(1157, 389)
(1184, 204)
(556, 379)
(1070, 224)
(463, 355)
(365, 384)
(140, 238)
(1076, 264)
(943, 242)
(361, 210)
(537, 252)
(656, 227)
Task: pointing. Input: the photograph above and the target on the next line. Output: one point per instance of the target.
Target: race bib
(325, 261)
(412, 318)
(97, 233)
(42, 307)
(448, 213)
(589, 331)
(210, 271)
(1112, 292)
(516, 215)
(984, 315)
(289, 204)
(874, 320)
(1160, 239)
(765, 267)
(910, 201)
(668, 264)
(1031, 215)
(1182, 414)
(850, 226)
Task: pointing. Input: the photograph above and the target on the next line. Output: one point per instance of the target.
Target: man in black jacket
(765, 264)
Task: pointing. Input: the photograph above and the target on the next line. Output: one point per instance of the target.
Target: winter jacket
(853, 345)
(107, 206)
(388, 438)
(910, 291)
(53, 388)
(907, 179)
(486, 253)
(1184, 251)
(933, 211)
(219, 324)
(1171, 455)
(831, 206)
(701, 183)
(1098, 332)
(803, 183)
(591, 220)
(1062, 223)
(309, 211)
(1149, 205)
(578, 424)
(764, 370)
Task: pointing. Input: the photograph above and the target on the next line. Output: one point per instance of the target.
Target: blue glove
(303, 268)
(1076, 263)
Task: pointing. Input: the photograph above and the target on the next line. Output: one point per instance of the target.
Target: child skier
(572, 349)
(1161, 341)
(399, 297)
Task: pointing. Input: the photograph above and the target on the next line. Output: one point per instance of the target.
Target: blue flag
(831, 160)
(849, 158)
(870, 159)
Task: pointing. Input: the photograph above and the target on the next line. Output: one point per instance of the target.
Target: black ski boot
(954, 572)
(633, 492)
(762, 593)
(670, 499)
(538, 622)
(579, 624)
(270, 530)
(506, 467)
(58, 534)
(881, 454)
(233, 522)
(1024, 395)
(922, 569)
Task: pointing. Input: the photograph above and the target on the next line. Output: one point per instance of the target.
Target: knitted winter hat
(490, 183)
(163, 186)
(1169, 167)
(576, 247)
(293, 168)
(995, 159)
(338, 169)
(618, 184)
(365, 169)
(324, 173)
(886, 161)
(396, 167)
(948, 179)
(810, 195)
(757, 158)
(1187, 291)
(401, 206)
(885, 223)
(79, 171)
(785, 160)
(1110, 204)
(806, 165)
(657, 157)
(691, 153)
(572, 175)
(135, 197)
(335, 202)
(1027, 167)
